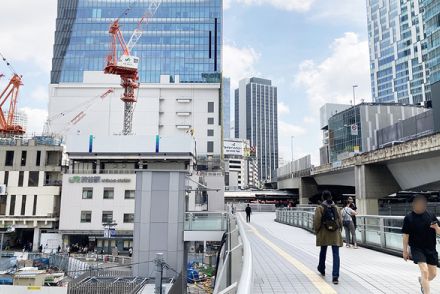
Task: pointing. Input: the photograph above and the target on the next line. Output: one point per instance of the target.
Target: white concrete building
(241, 170)
(99, 186)
(31, 172)
(165, 109)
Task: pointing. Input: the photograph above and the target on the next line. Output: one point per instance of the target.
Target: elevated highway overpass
(413, 165)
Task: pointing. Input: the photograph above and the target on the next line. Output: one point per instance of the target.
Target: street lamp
(291, 145)
(354, 94)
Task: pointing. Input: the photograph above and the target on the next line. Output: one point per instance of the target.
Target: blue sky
(313, 50)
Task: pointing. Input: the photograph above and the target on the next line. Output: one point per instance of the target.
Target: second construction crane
(8, 126)
(126, 66)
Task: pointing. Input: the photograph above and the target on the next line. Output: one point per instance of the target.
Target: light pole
(291, 145)
(355, 112)
(354, 94)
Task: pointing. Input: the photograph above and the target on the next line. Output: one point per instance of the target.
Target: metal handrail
(246, 280)
(387, 238)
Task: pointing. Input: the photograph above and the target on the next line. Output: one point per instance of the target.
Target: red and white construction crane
(10, 94)
(126, 66)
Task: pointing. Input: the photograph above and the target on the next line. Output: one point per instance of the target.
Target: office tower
(399, 72)
(226, 108)
(184, 38)
(432, 30)
(256, 119)
(179, 70)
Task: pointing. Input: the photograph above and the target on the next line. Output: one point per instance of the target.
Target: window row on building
(106, 217)
(108, 193)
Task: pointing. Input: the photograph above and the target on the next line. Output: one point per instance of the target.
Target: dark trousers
(248, 217)
(336, 261)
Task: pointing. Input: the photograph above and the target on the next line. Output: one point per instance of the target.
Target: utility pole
(291, 145)
(355, 113)
(159, 270)
(354, 94)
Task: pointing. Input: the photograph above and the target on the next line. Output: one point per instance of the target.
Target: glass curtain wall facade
(432, 30)
(397, 51)
(341, 139)
(226, 108)
(256, 119)
(184, 38)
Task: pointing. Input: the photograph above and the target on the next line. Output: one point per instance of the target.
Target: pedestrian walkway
(285, 260)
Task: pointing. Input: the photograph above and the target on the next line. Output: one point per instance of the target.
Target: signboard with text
(233, 148)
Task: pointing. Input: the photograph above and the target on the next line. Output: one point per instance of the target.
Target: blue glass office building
(432, 29)
(184, 38)
(399, 71)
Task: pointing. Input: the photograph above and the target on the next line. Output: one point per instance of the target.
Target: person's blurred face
(419, 205)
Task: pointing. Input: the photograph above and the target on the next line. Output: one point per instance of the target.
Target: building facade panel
(184, 38)
(397, 44)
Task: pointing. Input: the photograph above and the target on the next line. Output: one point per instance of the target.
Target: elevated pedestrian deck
(285, 261)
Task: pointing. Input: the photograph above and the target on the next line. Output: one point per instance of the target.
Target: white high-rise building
(399, 71)
(256, 119)
(165, 109)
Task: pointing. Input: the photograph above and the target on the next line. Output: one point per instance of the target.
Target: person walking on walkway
(353, 206)
(419, 240)
(347, 221)
(328, 226)
(248, 211)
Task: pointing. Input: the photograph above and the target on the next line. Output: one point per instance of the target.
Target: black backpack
(330, 218)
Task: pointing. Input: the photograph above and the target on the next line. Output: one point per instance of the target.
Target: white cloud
(309, 119)
(287, 130)
(27, 31)
(331, 80)
(291, 5)
(36, 118)
(340, 11)
(239, 63)
(283, 108)
(40, 93)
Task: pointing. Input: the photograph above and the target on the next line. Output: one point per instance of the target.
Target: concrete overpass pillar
(307, 189)
(372, 183)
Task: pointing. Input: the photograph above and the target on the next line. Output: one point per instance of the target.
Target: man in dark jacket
(419, 233)
(328, 226)
(248, 213)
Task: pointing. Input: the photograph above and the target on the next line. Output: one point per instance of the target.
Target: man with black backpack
(328, 227)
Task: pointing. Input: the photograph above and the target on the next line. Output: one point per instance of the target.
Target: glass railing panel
(205, 222)
(394, 241)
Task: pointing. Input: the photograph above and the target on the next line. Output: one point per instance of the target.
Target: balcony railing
(206, 221)
(378, 232)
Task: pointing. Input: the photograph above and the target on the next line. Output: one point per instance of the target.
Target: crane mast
(126, 66)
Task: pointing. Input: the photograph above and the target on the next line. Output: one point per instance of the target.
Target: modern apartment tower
(184, 38)
(397, 44)
(256, 119)
(226, 108)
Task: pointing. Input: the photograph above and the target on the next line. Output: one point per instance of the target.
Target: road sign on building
(354, 129)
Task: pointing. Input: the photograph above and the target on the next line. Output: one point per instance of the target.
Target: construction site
(41, 247)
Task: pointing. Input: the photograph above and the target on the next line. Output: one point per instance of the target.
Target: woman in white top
(348, 224)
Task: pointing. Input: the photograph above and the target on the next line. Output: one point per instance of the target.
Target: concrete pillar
(307, 189)
(36, 239)
(373, 182)
(159, 217)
